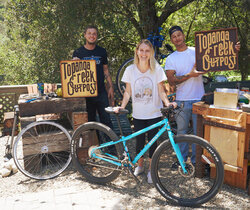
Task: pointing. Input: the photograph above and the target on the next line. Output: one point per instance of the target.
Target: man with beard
(91, 51)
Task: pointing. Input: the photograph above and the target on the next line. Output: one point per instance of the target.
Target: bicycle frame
(166, 127)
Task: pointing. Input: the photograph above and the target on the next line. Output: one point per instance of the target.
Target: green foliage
(38, 34)
(214, 14)
(42, 33)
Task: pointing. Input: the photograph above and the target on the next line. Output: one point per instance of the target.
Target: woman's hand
(174, 104)
(117, 109)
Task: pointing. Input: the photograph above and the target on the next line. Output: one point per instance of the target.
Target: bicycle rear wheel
(121, 86)
(85, 138)
(42, 150)
(194, 188)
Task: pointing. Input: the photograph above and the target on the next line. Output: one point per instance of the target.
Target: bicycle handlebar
(166, 110)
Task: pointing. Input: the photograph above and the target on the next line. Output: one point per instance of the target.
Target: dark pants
(99, 104)
(140, 140)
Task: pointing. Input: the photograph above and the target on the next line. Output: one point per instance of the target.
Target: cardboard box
(225, 100)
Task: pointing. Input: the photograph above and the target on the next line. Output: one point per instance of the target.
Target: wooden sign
(215, 50)
(78, 78)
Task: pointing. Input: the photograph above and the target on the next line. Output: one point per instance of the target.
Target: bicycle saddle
(110, 110)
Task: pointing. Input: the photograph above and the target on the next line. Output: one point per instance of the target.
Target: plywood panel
(226, 142)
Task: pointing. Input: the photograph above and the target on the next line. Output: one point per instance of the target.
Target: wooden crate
(42, 117)
(8, 124)
(78, 118)
(225, 100)
(54, 105)
(229, 131)
(230, 127)
(24, 121)
(33, 145)
(88, 139)
(56, 141)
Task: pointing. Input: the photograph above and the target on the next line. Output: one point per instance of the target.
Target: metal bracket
(221, 125)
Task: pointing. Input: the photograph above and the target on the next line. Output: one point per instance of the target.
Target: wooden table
(74, 107)
(229, 131)
(52, 105)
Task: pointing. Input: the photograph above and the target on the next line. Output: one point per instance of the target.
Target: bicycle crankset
(93, 149)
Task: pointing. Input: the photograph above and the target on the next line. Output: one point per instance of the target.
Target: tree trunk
(244, 63)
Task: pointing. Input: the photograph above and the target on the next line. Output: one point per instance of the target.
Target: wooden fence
(9, 98)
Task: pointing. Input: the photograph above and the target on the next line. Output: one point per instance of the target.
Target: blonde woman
(144, 84)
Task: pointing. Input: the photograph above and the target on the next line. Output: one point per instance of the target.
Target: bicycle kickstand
(8, 154)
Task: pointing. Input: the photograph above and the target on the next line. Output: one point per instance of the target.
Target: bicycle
(34, 152)
(180, 185)
(156, 40)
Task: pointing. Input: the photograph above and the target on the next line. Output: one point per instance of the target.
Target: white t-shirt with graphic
(182, 63)
(146, 101)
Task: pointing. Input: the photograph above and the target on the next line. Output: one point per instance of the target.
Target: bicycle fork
(176, 149)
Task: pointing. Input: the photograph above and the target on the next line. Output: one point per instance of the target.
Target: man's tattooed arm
(175, 80)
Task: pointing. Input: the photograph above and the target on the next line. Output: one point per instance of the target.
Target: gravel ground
(132, 196)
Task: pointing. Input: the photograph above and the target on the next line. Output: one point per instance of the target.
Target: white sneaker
(150, 181)
(138, 170)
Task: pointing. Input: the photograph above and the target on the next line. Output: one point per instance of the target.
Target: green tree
(41, 33)
(50, 30)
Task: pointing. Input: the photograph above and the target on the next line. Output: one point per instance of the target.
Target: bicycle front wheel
(87, 137)
(42, 150)
(200, 184)
(121, 86)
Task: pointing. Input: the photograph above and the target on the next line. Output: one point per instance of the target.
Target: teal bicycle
(100, 156)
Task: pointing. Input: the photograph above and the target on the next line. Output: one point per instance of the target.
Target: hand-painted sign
(78, 78)
(215, 50)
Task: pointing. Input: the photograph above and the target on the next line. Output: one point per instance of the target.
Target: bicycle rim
(42, 150)
(87, 137)
(196, 187)
(121, 86)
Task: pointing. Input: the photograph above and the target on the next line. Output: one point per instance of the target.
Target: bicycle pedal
(135, 178)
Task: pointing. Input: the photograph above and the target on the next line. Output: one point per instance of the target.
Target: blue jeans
(182, 119)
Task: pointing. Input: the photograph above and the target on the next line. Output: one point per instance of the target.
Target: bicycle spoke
(37, 153)
(84, 141)
(187, 189)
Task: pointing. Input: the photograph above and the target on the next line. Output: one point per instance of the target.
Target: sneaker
(150, 181)
(138, 170)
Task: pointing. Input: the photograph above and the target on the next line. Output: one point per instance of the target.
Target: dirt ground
(133, 197)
